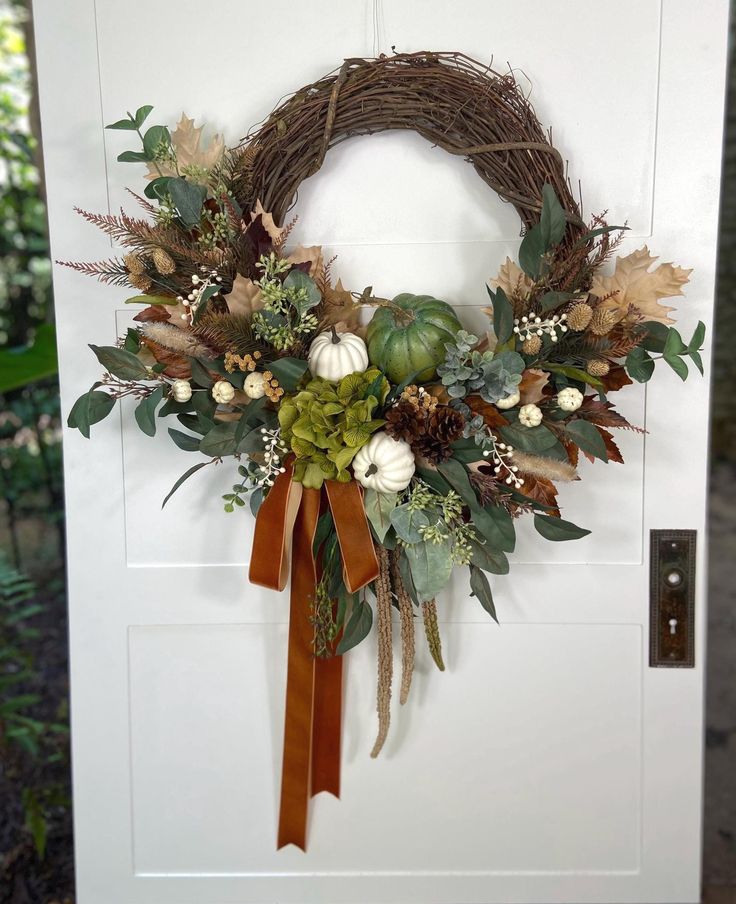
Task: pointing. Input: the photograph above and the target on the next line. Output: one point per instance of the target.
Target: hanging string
(377, 23)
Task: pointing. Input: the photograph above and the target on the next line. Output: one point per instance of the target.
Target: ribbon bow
(285, 528)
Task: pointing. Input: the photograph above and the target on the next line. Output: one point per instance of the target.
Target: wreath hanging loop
(451, 100)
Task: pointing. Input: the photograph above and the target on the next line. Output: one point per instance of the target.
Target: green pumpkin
(408, 338)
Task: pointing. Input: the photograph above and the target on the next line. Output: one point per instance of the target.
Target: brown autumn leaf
(615, 379)
(491, 415)
(603, 414)
(192, 157)
(541, 490)
(176, 367)
(340, 307)
(572, 450)
(156, 313)
(531, 388)
(612, 450)
(634, 283)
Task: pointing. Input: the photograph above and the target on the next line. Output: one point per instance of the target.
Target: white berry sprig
(526, 327)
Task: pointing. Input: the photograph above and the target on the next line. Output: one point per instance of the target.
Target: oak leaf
(512, 279)
(634, 283)
(245, 296)
(541, 490)
(531, 388)
(340, 308)
(615, 379)
(192, 157)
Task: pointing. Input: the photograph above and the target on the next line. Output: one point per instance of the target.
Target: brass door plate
(672, 599)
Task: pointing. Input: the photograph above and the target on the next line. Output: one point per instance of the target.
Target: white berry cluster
(535, 326)
(273, 450)
(199, 285)
(501, 455)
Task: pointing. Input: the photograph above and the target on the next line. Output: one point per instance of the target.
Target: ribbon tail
(297, 766)
(327, 726)
(269, 560)
(360, 565)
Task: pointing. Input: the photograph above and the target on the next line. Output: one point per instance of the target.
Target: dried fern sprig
(112, 272)
(432, 630)
(547, 468)
(406, 619)
(228, 333)
(175, 339)
(385, 651)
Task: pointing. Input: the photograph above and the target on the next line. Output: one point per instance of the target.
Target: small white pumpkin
(334, 355)
(509, 401)
(384, 464)
(254, 386)
(223, 392)
(570, 399)
(181, 390)
(530, 416)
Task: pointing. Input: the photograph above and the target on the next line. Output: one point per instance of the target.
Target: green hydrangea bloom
(326, 423)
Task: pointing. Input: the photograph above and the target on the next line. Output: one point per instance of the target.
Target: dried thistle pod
(603, 321)
(531, 345)
(579, 316)
(140, 281)
(134, 263)
(598, 367)
(163, 262)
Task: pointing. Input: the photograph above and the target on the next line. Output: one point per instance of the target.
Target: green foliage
(553, 528)
(547, 233)
(326, 423)
(29, 363)
(674, 350)
(287, 302)
(466, 370)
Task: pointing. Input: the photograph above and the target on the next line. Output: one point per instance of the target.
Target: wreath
(378, 443)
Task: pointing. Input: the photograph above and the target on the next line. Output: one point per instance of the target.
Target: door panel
(550, 764)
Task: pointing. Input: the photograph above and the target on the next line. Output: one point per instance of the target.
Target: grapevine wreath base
(379, 444)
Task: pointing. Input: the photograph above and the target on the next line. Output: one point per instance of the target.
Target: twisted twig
(385, 652)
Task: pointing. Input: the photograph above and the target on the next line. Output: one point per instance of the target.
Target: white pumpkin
(223, 392)
(334, 355)
(384, 464)
(254, 386)
(570, 399)
(181, 390)
(509, 401)
(530, 416)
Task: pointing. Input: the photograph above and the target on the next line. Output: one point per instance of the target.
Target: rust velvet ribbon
(285, 529)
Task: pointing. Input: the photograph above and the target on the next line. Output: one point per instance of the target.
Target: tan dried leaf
(312, 254)
(267, 221)
(340, 308)
(634, 283)
(191, 154)
(531, 388)
(245, 297)
(512, 279)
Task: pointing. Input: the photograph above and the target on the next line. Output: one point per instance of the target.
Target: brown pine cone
(445, 424)
(433, 450)
(405, 421)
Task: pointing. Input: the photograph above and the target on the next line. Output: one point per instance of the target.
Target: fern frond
(112, 271)
(227, 332)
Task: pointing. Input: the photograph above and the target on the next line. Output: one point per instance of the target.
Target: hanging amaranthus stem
(432, 630)
(406, 616)
(385, 652)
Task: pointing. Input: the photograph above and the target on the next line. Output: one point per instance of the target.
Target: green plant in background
(32, 744)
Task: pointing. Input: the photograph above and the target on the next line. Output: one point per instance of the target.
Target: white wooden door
(550, 763)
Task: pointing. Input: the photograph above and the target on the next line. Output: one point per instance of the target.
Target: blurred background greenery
(36, 861)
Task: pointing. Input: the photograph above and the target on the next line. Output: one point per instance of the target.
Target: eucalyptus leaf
(141, 115)
(145, 411)
(120, 363)
(184, 441)
(407, 523)
(133, 157)
(639, 364)
(489, 559)
(89, 409)
(188, 198)
(298, 280)
(431, 567)
(288, 371)
(528, 439)
(154, 138)
(586, 436)
(503, 314)
(552, 528)
(185, 476)
(220, 440)
(378, 508)
(152, 299)
(481, 589)
(552, 222)
(358, 627)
